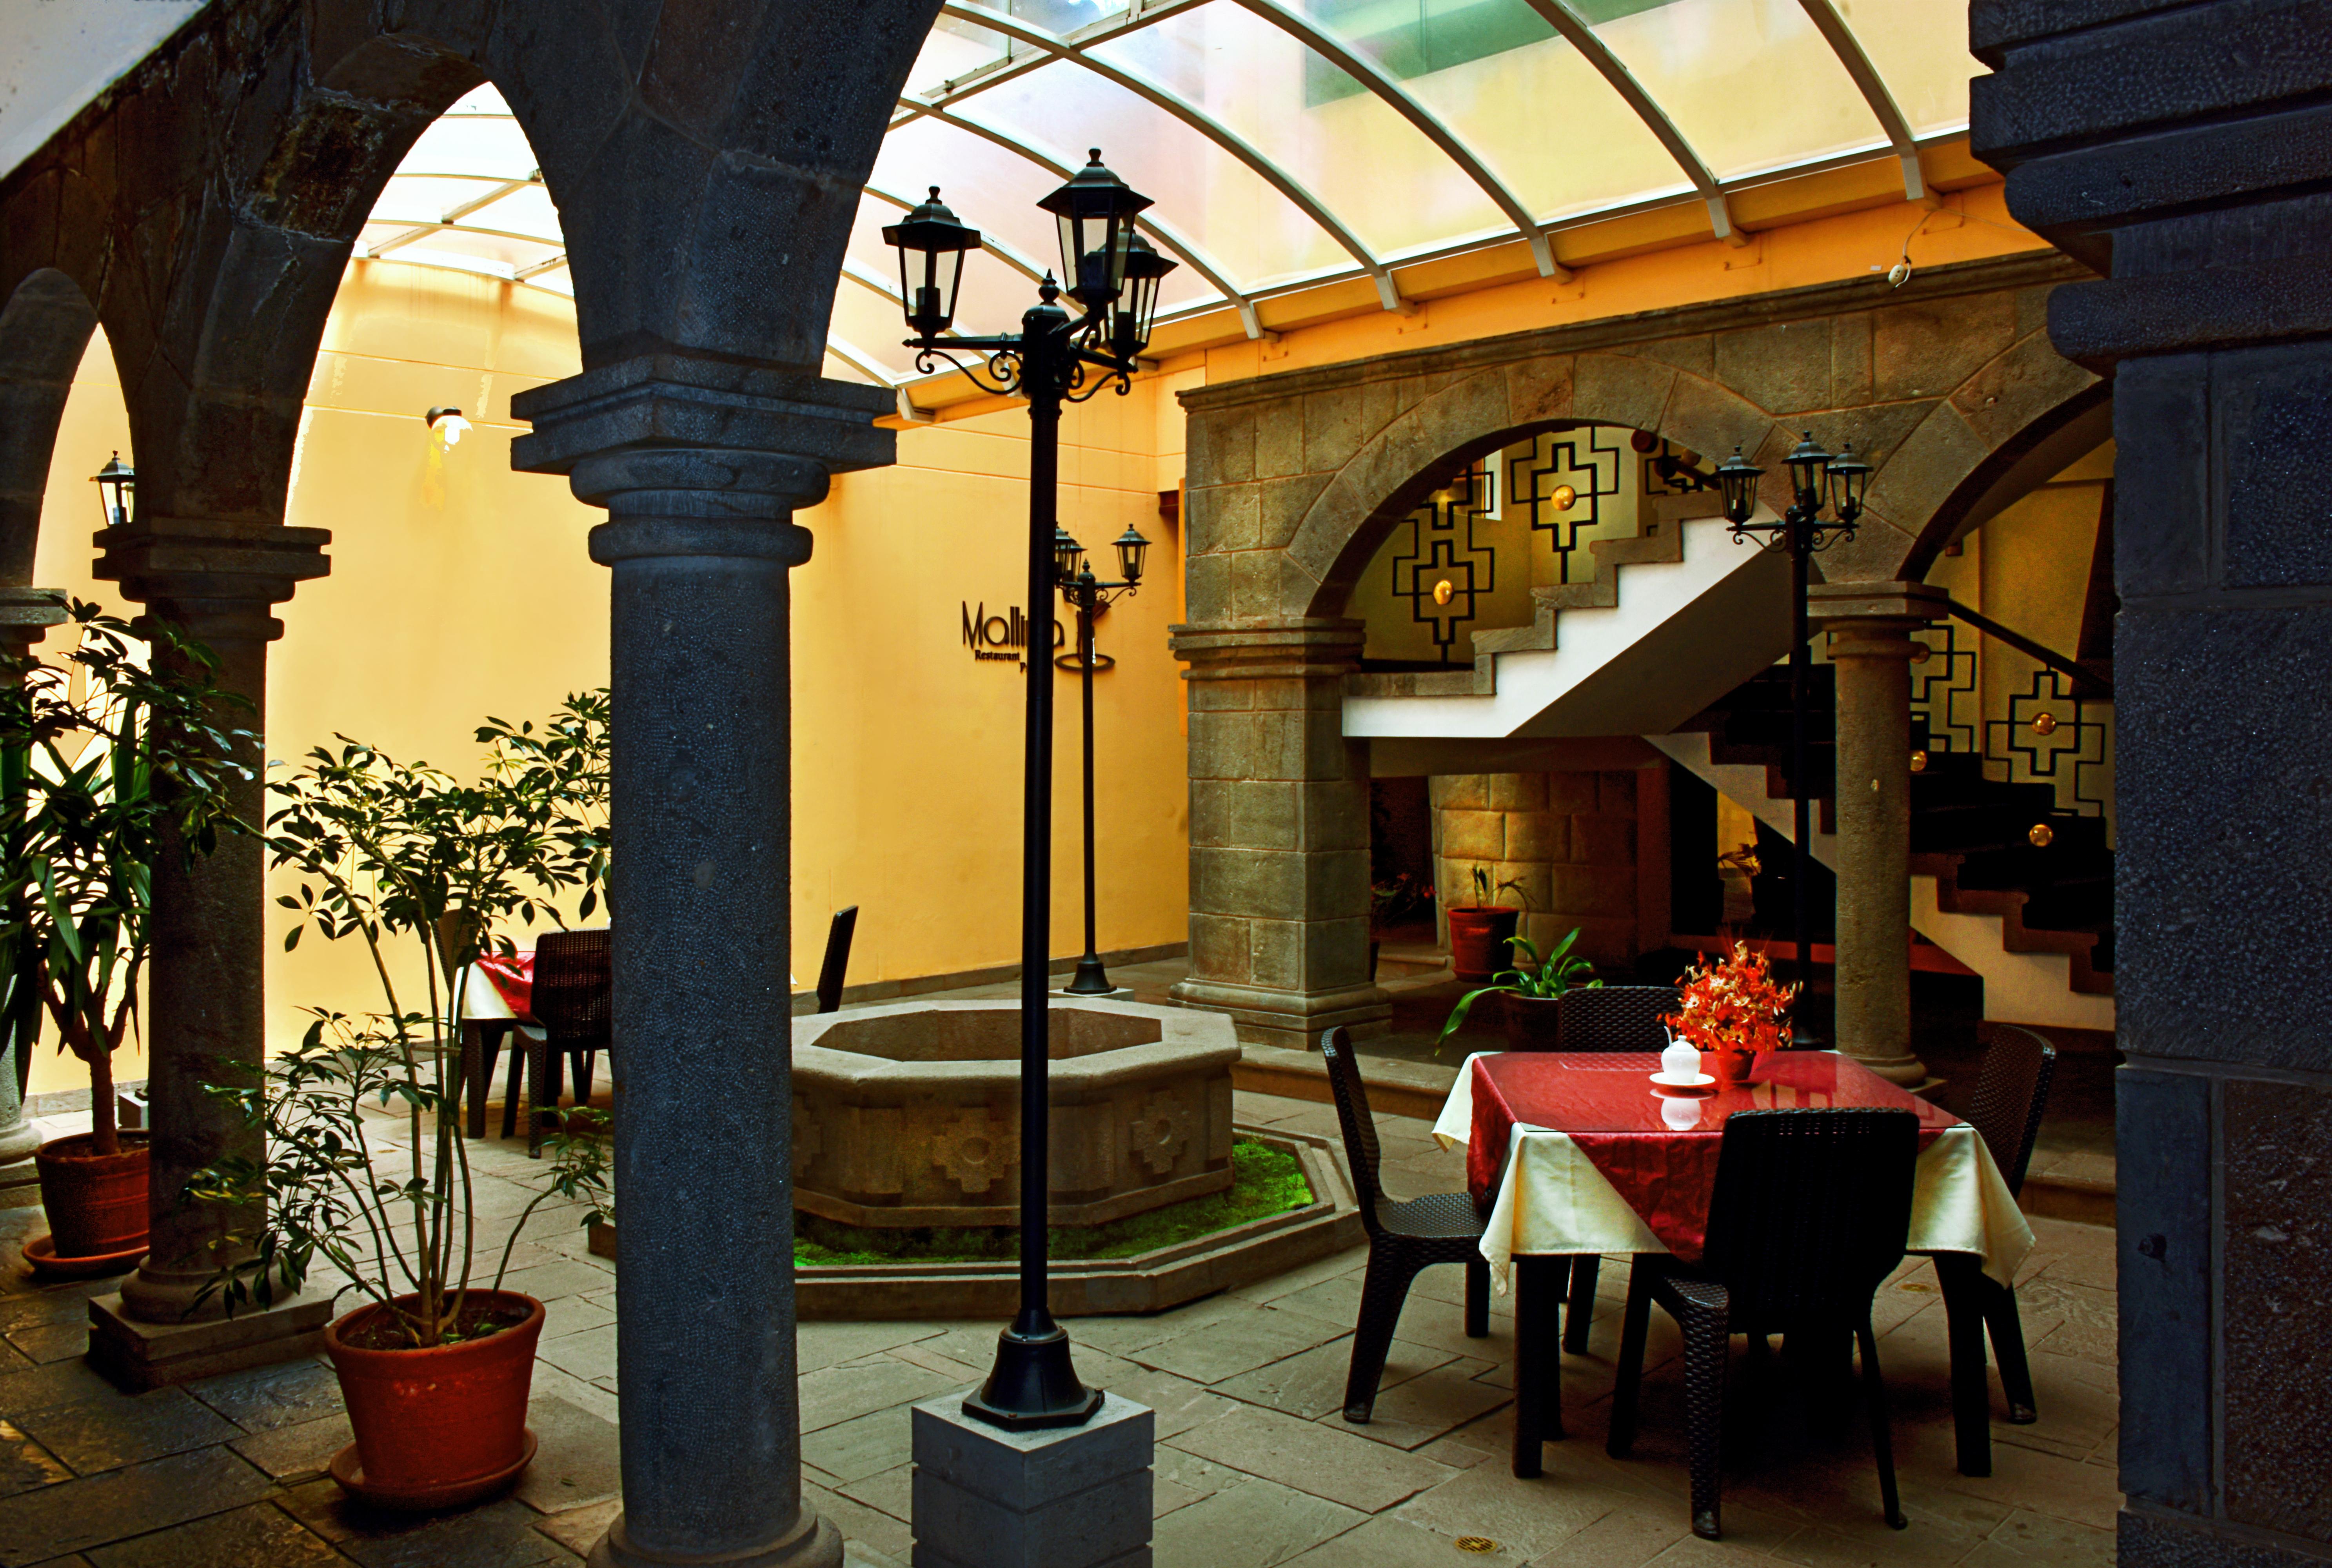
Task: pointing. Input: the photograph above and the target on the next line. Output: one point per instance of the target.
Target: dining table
(1579, 1153)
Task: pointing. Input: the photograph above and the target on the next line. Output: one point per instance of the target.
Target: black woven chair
(2012, 1095)
(837, 959)
(1404, 1236)
(1809, 1216)
(574, 1003)
(1605, 1019)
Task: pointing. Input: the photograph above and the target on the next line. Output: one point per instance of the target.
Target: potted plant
(436, 1362)
(1480, 932)
(1532, 991)
(1731, 1010)
(118, 755)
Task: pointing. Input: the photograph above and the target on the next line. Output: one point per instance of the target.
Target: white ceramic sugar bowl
(1680, 1062)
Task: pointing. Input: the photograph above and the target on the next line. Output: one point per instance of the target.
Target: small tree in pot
(437, 1364)
(1480, 932)
(118, 754)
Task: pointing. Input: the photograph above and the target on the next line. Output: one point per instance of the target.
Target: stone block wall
(1567, 840)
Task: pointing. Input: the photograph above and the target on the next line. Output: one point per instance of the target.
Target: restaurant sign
(1003, 637)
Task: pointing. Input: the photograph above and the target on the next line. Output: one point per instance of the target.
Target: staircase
(2034, 920)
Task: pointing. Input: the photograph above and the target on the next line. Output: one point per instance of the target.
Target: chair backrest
(1614, 1018)
(1812, 1208)
(2012, 1094)
(837, 959)
(1360, 1127)
(574, 989)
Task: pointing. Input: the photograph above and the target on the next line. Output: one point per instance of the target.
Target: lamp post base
(1090, 980)
(1033, 1385)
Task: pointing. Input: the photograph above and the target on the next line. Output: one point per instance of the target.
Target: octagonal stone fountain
(909, 1115)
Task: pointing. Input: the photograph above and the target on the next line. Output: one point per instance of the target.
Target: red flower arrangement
(1733, 1008)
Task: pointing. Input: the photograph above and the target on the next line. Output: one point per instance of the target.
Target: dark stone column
(2186, 147)
(700, 466)
(216, 582)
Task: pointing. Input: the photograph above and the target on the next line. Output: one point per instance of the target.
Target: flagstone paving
(1256, 1466)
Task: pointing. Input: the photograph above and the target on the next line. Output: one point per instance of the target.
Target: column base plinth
(812, 1542)
(143, 1355)
(20, 1185)
(1291, 1019)
(1905, 1072)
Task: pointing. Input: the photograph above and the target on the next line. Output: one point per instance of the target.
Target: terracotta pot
(96, 1202)
(1733, 1068)
(431, 1424)
(1477, 941)
(1530, 1022)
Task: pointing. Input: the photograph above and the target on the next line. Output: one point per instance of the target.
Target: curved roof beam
(454, 213)
(1197, 119)
(1848, 48)
(1205, 265)
(1559, 15)
(1368, 75)
(1010, 255)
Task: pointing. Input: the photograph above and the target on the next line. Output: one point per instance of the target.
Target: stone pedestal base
(20, 1182)
(1074, 1497)
(812, 1542)
(147, 1355)
(1293, 1020)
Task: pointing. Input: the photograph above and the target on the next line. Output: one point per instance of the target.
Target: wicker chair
(1404, 1236)
(2012, 1094)
(574, 1003)
(1605, 1019)
(837, 959)
(1809, 1216)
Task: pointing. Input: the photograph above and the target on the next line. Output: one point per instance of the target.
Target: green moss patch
(1265, 1181)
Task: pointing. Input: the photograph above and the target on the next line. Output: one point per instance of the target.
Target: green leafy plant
(409, 860)
(116, 756)
(1547, 979)
(1486, 890)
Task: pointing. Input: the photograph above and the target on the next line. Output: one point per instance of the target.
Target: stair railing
(2057, 731)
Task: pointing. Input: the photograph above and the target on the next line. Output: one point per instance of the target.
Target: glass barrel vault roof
(1288, 143)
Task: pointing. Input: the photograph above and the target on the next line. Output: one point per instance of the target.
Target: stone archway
(1294, 480)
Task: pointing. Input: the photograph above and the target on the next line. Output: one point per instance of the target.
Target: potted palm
(1531, 991)
(1480, 932)
(118, 754)
(436, 1361)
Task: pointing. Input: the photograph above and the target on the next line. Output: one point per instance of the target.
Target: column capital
(1908, 605)
(216, 577)
(1320, 647)
(26, 613)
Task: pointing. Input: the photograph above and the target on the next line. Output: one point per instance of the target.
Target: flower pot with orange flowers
(1733, 1013)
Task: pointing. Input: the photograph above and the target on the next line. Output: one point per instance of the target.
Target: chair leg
(1961, 1276)
(1579, 1315)
(586, 1062)
(1538, 1363)
(1477, 1298)
(2008, 1353)
(541, 1094)
(1882, 1437)
(1629, 1375)
(1381, 1297)
(1705, 1343)
(521, 1054)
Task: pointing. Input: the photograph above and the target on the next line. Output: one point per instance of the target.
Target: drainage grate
(1477, 1543)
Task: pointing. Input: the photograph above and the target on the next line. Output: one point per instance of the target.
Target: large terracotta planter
(1477, 941)
(1530, 1021)
(96, 1203)
(441, 1426)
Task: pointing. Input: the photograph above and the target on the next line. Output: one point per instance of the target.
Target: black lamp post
(1052, 360)
(117, 485)
(1816, 479)
(1081, 589)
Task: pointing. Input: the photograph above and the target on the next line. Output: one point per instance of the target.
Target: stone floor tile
(26, 1464)
(1692, 1551)
(586, 1355)
(1310, 1458)
(818, 1345)
(842, 1394)
(497, 1534)
(1413, 1413)
(1255, 1525)
(2067, 1490)
(857, 1521)
(1261, 1110)
(1526, 1517)
(2025, 1537)
(1446, 1283)
(968, 1375)
(45, 1388)
(94, 1436)
(580, 1529)
(1176, 1404)
(573, 1314)
(575, 1460)
(43, 1342)
(296, 1453)
(553, 1281)
(858, 1554)
(1190, 1477)
(1626, 1537)
(119, 1504)
(1312, 1384)
(1391, 1541)
(549, 1383)
(893, 1492)
(265, 1398)
(1212, 1352)
(260, 1535)
(1316, 1272)
(864, 1446)
(52, 1305)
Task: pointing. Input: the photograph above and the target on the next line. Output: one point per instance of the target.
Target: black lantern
(1807, 465)
(1130, 548)
(930, 245)
(1737, 482)
(1137, 312)
(117, 484)
(1068, 555)
(1095, 213)
(1849, 479)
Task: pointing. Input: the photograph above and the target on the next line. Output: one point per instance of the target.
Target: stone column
(1869, 625)
(216, 582)
(26, 613)
(1279, 833)
(700, 466)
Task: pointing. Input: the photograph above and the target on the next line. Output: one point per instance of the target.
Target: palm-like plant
(1545, 979)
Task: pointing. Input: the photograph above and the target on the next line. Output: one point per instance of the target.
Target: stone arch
(44, 329)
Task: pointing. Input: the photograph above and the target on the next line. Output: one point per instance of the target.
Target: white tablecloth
(1552, 1198)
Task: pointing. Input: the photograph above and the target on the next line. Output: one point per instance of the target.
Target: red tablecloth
(514, 978)
(1603, 1103)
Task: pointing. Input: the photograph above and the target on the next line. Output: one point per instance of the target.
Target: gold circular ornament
(1444, 591)
(1477, 1543)
(1564, 497)
(1921, 653)
(1919, 761)
(2044, 724)
(2042, 836)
